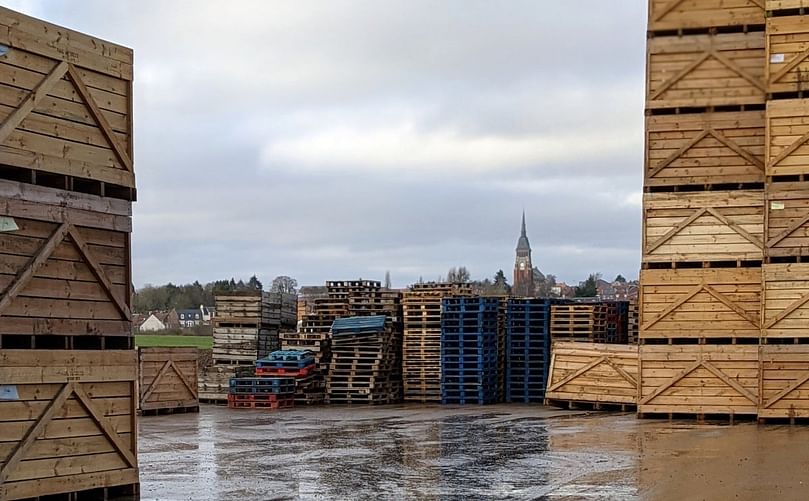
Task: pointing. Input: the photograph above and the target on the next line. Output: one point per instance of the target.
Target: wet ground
(452, 452)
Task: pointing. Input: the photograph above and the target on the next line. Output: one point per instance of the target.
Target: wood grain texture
(784, 381)
(593, 372)
(787, 151)
(684, 14)
(168, 378)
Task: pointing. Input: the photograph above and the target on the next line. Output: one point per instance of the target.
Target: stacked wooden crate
(68, 370)
(421, 357)
(784, 391)
(167, 380)
(704, 207)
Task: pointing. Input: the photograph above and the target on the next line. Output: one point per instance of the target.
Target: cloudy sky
(339, 139)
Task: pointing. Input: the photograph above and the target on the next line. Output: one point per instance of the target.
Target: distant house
(159, 321)
(194, 317)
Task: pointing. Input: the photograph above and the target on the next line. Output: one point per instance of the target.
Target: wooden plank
(665, 15)
(787, 137)
(788, 49)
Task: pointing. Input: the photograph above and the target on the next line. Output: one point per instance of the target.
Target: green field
(202, 342)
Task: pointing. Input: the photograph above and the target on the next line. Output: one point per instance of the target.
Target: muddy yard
(492, 452)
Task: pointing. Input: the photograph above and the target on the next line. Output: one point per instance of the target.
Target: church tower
(523, 284)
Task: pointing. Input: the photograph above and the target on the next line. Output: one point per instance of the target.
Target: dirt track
(434, 452)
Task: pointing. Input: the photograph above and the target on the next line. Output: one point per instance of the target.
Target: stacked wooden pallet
(704, 230)
(586, 322)
(470, 350)
(168, 380)
(421, 357)
(281, 316)
(365, 367)
(67, 363)
(527, 349)
(299, 365)
(633, 322)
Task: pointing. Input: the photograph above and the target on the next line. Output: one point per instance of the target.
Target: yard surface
(473, 452)
(201, 342)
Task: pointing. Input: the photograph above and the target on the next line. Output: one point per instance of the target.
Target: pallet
(593, 372)
(707, 226)
(586, 322)
(88, 400)
(701, 71)
(669, 15)
(700, 303)
(787, 45)
(168, 378)
(694, 379)
(715, 148)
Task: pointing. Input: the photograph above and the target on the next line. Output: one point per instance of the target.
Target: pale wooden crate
(74, 424)
(700, 303)
(705, 148)
(787, 53)
(699, 379)
(787, 151)
(784, 386)
(168, 378)
(65, 102)
(666, 15)
(66, 270)
(786, 292)
(787, 220)
(776, 5)
(703, 226)
(593, 373)
(725, 69)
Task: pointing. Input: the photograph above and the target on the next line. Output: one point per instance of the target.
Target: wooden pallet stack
(633, 322)
(281, 316)
(704, 207)
(527, 349)
(242, 318)
(68, 368)
(421, 354)
(365, 365)
(585, 322)
(470, 358)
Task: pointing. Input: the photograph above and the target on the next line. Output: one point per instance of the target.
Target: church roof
(522, 243)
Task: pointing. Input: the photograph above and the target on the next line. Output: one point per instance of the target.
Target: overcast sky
(333, 139)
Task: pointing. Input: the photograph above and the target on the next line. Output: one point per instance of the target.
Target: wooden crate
(775, 5)
(784, 381)
(65, 102)
(67, 421)
(787, 50)
(699, 379)
(168, 378)
(786, 292)
(666, 15)
(593, 373)
(787, 151)
(703, 226)
(701, 303)
(705, 148)
(705, 70)
(65, 270)
(787, 221)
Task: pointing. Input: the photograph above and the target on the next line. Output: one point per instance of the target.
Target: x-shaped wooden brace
(786, 391)
(57, 403)
(795, 61)
(674, 3)
(713, 292)
(603, 359)
(751, 159)
(709, 53)
(696, 215)
(61, 232)
(41, 91)
(713, 370)
(788, 311)
(163, 371)
(789, 150)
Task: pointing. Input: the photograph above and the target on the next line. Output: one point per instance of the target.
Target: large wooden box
(705, 148)
(787, 221)
(65, 102)
(786, 293)
(705, 70)
(67, 421)
(65, 269)
(694, 303)
(168, 378)
(593, 372)
(784, 381)
(699, 379)
(787, 53)
(667, 15)
(703, 226)
(787, 151)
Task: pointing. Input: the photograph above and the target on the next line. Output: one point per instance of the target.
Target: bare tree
(284, 284)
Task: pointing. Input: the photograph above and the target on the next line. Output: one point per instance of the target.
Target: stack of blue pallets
(469, 350)
(527, 349)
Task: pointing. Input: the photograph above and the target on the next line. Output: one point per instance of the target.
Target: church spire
(523, 234)
(522, 243)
